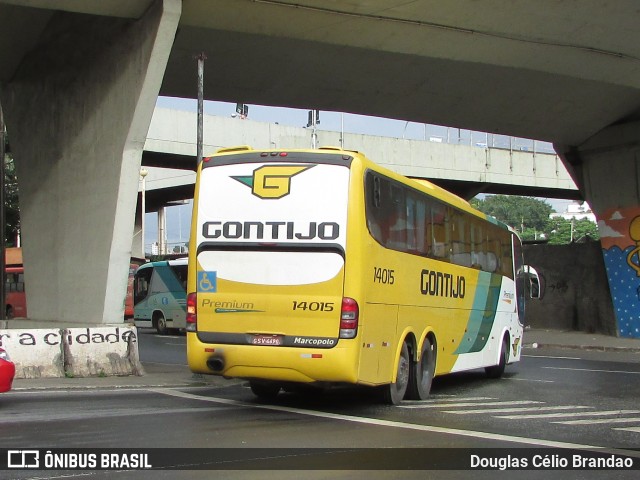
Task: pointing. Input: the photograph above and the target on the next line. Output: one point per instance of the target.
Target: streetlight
(143, 174)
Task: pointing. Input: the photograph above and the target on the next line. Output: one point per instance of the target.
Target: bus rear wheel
(264, 390)
(394, 392)
(422, 372)
(496, 371)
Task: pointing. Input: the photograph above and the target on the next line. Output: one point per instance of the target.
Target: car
(7, 371)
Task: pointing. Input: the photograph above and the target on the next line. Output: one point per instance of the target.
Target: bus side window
(397, 221)
(181, 273)
(385, 215)
(439, 232)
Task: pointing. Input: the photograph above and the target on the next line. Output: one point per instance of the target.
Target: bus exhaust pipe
(215, 364)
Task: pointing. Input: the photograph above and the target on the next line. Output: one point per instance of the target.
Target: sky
(178, 217)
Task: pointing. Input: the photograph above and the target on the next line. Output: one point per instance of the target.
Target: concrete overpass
(170, 154)
(463, 169)
(78, 81)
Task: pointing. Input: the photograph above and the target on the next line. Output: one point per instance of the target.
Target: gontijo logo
(272, 181)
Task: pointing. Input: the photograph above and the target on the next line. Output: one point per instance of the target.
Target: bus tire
(9, 312)
(264, 390)
(160, 323)
(496, 371)
(393, 393)
(422, 372)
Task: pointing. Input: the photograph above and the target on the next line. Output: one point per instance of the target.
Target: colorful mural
(620, 237)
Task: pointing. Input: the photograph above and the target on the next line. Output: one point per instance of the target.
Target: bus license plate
(273, 340)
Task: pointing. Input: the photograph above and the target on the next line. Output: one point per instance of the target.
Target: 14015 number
(383, 275)
(313, 306)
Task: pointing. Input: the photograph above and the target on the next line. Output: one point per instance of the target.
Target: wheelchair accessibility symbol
(207, 282)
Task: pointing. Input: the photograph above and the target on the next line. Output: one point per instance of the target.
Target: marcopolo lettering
(314, 341)
(439, 284)
(271, 230)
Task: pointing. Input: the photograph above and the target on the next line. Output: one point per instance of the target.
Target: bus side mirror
(535, 282)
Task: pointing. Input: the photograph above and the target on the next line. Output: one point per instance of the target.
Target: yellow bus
(320, 267)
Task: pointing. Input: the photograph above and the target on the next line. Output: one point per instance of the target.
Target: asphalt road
(557, 399)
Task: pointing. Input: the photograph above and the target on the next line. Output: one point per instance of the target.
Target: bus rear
(159, 295)
(266, 269)
(15, 296)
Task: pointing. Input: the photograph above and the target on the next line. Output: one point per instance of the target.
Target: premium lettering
(439, 284)
(271, 230)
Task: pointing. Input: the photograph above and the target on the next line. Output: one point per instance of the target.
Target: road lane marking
(553, 357)
(471, 404)
(629, 429)
(490, 411)
(592, 370)
(570, 414)
(601, 420)
(388, 423)
(49, 416)
(530, 380)
(448, 399)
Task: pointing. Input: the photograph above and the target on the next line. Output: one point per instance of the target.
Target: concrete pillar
(162, 231)
(607, 169)
(77, 112)
(137, 243)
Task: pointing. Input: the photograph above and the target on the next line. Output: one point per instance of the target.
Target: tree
(521, 213)
(531, 218)
(12, 210)
(563, 231)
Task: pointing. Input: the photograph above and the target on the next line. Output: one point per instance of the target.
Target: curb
(592, 348)
(130, 382)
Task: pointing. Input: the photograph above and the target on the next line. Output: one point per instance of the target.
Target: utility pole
(162, 231)
(573, 226)
(143, 206)
(201, 58)
(314, 120)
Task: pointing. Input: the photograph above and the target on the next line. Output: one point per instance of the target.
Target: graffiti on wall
(620, 237)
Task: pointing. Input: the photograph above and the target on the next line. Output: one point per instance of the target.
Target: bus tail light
(349, 318)
(192, 313)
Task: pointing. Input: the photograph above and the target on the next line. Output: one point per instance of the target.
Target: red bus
(15, 299)
(15, 303)
(128, 300)
(15, 296)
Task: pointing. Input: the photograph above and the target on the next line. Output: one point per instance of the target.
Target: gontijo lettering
(439, 284)
(271, 230)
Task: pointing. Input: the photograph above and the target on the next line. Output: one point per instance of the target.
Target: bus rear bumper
(286, 364)
(140, 323)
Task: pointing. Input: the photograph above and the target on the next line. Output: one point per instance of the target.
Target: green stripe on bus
(483, 313)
